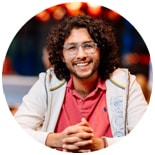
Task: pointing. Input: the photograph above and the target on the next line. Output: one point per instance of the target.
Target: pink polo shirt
(93, 108)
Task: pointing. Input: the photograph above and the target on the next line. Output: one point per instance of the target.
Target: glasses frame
(73, 52)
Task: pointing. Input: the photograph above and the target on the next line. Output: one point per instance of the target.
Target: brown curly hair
(100, 31)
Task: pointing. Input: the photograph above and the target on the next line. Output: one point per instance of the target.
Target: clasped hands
(81, 138)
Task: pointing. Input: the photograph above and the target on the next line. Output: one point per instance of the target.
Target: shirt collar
(100, 84)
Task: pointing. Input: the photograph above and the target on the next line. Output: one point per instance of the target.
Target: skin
(85, 76)
(84, 70)
(76, 138)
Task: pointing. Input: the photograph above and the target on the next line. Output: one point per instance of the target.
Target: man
(86, 102)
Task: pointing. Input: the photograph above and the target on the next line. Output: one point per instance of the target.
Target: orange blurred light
(112, 15)
(94, 9)
(52, 9)
(73, 8)
(59, 13)
(43, 16)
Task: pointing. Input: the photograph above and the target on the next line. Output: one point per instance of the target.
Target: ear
(62, 58)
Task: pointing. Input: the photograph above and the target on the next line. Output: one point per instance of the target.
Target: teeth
(84, 64)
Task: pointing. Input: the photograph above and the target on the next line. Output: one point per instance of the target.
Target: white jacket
(40, 108)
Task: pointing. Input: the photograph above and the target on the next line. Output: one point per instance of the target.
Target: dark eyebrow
(70, 44)
(73, 43)
(64, 46)
(88, 41)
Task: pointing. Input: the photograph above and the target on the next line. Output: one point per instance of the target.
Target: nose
(81, 53)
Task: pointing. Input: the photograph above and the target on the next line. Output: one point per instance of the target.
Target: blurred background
(27, 57)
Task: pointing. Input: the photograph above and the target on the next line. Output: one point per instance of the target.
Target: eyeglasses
(73, 48)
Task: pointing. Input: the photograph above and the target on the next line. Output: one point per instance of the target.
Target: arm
(30, 114)
(80, 138)
(137, 104)
(136, 107)
(69, 139)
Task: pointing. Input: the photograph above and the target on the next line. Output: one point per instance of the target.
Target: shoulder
(120, 77)
(119, 72)
(50, 79)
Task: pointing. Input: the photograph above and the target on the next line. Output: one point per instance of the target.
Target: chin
(83, 76)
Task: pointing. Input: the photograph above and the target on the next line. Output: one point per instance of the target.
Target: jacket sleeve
(31, 112)
(135, 107)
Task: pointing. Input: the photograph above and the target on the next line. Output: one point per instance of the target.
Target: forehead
(78, 35)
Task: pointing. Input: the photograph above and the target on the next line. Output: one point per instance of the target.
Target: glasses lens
(72, 49)
(89, 47)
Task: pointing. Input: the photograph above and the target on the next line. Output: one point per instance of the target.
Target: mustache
(82, 61)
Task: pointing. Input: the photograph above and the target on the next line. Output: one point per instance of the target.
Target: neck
(85, 86)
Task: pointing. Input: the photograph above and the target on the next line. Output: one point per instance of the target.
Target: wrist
(99, 143)
(105, 143)
(53, 140)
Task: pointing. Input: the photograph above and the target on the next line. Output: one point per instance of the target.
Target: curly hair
(100, 31)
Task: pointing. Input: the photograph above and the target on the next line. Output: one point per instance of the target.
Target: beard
(85, 72)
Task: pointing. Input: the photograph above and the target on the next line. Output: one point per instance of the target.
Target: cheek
(66, 59)
(97, 55)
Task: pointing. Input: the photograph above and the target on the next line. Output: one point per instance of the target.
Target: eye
(88, 45)
(71, 47)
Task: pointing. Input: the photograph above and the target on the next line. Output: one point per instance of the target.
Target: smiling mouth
(82, 64)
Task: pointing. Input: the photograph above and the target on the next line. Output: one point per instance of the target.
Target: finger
(84, 150)
(77, 129)
(77, 147)
(84, 135)
(70, 148)
(86, 129)
(77, 151)
(84, 122)
(73, 138)
(75, 143)
(84, 144)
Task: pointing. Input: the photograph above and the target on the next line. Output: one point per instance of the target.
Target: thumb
(84, 122)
